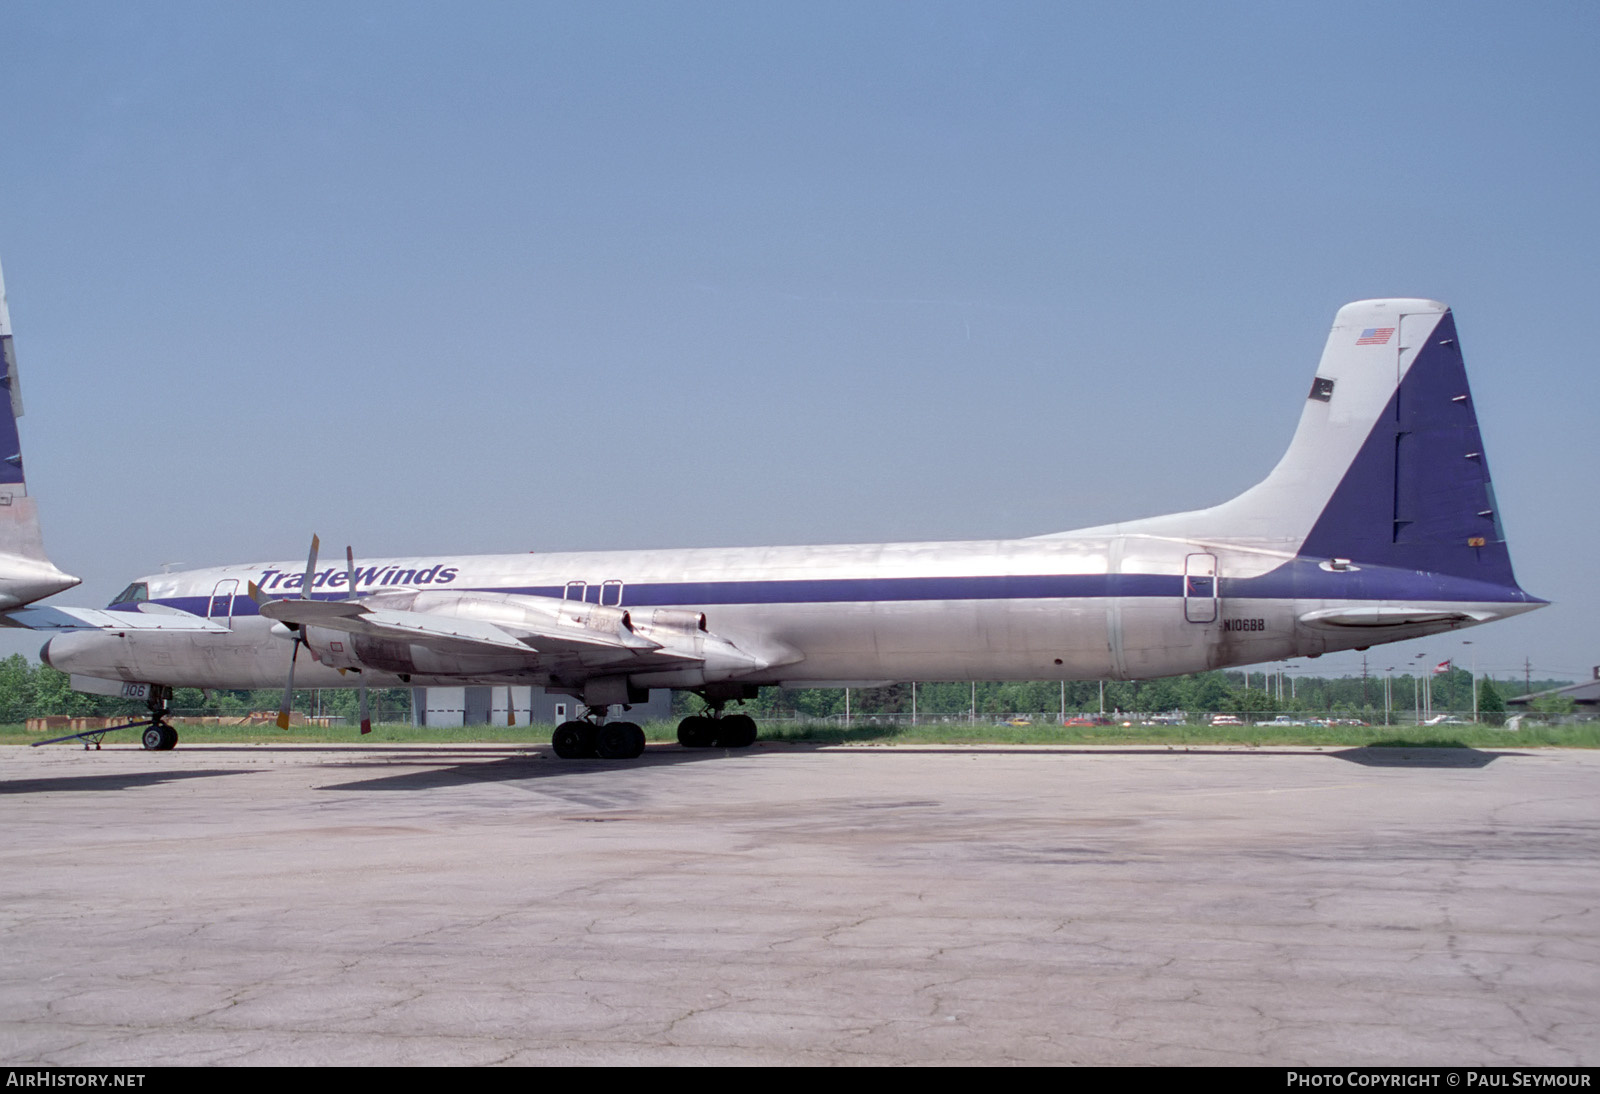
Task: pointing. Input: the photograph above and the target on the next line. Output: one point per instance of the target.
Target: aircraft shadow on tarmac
(115, 780)
(1396, 755)
(523, 763)
(1432, 756)
(537, 763)
(432, 768)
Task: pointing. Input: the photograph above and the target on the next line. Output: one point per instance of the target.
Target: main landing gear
(729, 731)
(592, 737)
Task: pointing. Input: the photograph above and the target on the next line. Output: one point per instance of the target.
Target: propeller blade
(311, 568)
(288, 688)
(350, 594)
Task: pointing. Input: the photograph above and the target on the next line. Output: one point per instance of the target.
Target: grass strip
(1578, 735)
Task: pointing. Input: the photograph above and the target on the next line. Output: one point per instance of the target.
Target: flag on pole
(1442, 666)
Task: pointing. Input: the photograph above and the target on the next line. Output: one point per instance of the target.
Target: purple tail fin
(1417, 495)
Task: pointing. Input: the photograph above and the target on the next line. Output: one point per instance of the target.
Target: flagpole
(1468, 642)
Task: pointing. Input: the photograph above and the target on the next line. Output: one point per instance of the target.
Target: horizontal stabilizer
(1387, 617)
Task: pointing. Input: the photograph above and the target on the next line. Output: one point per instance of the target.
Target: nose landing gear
(159, 736)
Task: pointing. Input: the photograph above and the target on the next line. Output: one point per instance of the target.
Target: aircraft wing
(150, 617)
(449, 633)
(575, 640)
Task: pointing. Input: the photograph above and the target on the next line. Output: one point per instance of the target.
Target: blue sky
(519, 276)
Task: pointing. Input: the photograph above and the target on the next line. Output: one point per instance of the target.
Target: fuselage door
(221, 609)
(1200, 595)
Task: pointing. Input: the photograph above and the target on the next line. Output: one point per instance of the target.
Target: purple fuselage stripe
(1301, 579)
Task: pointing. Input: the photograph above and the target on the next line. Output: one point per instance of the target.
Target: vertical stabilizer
(26, 574)
(1417, 494)
(10, 442)
(1387, 465)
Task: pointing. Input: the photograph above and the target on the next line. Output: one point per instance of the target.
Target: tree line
(1257, 694)
(33, 690)
(29, 690)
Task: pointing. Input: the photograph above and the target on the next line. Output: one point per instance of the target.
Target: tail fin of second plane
(1387, 466)
(26, 574)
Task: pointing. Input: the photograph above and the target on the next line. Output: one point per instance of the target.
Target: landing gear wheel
(619, 741)
(737, 731)
(573, 740)
(697, 731)
(159, 739)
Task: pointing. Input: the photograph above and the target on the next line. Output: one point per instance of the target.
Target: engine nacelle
(342, 650)
(676, 621)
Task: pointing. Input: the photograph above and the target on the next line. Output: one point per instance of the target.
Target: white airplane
(1379, 524)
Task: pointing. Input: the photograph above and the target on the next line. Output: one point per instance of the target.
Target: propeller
(299, 633)
(350, 594)
(299, 636)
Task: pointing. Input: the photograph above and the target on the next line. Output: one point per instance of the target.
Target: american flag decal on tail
(1375, 336)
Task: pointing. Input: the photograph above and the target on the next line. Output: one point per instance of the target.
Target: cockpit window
(136, 593)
